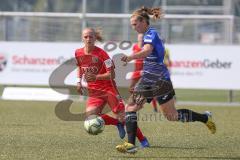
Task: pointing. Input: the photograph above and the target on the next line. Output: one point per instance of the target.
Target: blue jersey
(153, 63)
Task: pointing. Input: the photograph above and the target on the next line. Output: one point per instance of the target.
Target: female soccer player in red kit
(96, 74)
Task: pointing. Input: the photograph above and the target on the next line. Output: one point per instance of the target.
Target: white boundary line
(179, 103)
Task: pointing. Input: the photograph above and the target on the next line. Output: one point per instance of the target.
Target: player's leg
(119, 111)
(109, 120)
(95, 106)
(154, 104)
(131, 127)
(142, 139)
(117, 106)
(114, 121)
(135, 103)
(168, 109)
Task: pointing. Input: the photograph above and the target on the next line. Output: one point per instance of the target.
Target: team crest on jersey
(94, 59)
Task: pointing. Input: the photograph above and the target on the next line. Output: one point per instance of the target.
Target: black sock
(186, 115)
(131, 126)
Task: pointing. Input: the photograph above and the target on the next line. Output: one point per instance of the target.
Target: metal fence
(66, 27)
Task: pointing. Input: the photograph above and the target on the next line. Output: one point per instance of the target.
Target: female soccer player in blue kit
(155, 81)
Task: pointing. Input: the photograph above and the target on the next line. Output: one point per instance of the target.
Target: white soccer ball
(94, 124)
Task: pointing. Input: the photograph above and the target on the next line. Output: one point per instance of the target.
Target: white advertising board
(193, 66)
(205, 67)
(32, 63)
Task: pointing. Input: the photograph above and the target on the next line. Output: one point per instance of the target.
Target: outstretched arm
(147, 49)
(105, 76)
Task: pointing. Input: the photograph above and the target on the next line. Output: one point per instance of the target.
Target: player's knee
(131, 108)
(92, 110)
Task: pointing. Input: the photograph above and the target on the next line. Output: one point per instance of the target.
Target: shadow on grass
(173, 147)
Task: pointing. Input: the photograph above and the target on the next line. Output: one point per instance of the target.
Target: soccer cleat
(210, 124)
(126, 148)
(121, 130)
(144, 143)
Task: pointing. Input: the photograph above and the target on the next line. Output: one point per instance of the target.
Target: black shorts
(163, 98)
(161, 89)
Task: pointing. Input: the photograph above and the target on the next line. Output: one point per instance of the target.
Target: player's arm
(79, 71)
(79, 81)
(109, 67)
(106, 76)
(168, 63)
(147, 50)
(167, 59)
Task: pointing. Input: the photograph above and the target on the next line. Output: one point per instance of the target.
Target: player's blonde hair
(144, 12)
(97, 32)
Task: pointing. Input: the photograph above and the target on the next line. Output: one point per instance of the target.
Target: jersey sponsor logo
(93, 69)
(108, 63)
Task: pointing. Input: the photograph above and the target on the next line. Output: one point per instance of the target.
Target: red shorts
(110, 97)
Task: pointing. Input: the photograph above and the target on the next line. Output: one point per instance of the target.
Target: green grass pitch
(31, 130)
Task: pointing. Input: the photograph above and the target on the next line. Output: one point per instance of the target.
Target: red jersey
(98, 62)
(138, 63)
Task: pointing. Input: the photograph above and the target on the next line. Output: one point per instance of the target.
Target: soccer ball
(94, 124)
